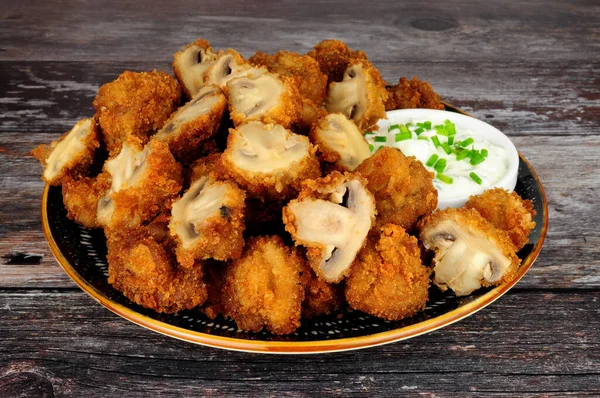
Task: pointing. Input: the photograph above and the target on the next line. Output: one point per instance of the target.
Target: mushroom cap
(190, 65)
(331, 217)
(340, 142)
(469, 251)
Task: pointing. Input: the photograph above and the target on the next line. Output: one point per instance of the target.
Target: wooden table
(531, 69)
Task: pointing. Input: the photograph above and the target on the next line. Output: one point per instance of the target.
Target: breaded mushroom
(194, 123)
(321, 297)
(340, 142)
(334, 57)
(269, 161)
(360, 96)
(331, 218)
(388, 279)
(263, 289)
(507, 212)
(81, 196)
(402, 186)
(134, 106)
(190, 66)
(143, 183)
(146, 272)
(469, 251)
(71, 155)
(408, 94)
(263, 96)
(229, 65)
(208, 222)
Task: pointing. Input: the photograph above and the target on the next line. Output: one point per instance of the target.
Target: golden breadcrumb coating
(263, 289)
(190, 126)
(333, 57)
(135, 105)
(321, 298)
(81, 196)
(388, 279)
(408, 94)
(206, 166)
(506, 211)
(214, 277)
(208, 222)
(402, 186)
(71, 155)
(139, 191)
(146, 273)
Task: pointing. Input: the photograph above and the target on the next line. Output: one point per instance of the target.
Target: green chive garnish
(408, 124)
(427, 125)
(446, 148)
(371, 147)
(476, 159)
(475, 178)
(419, 130)
(466, 142)
(444, 178)
(450, 127)
(394, 126)
(440, 165)
(462, 154)
(423, 138)
(380, 139)
(431, 161)
(436, 141)
(484, 152)
(441, 130)
(403, 136)
(451, 140)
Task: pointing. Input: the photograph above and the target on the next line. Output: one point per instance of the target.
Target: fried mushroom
(193, 124)
(401, 185)
(142, 184)
(320, 297)
(263, 288)
(190, 65)
(228, 65)
(264, 97)
(268, 160)
(208, 222)
(81, 196)
(340, 142)
(360, 95)
(333, 57)
(507, 212)
(388, 279)
(331, 217)
(409, 94)
(71, 155)
(469, 251)
(134, 106)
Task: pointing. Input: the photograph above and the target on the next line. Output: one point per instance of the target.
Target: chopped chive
(408, 124)
(371, 147)
(427, 125)
(394, 126)
(475, 178)
(450, 127)
(466, 142)
(451, 140)
(446, 148)
(431, 161)
(403, 136)
(441, 130)
(440, 165)
(380, 139)
(404, 129)
(476, 159)
(369, 132)
(484, 152)
(419, 130)
(423, 138)
(436, 141)
(444, 178)
(463, 154)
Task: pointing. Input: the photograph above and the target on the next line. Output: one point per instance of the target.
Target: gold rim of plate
(300, 347)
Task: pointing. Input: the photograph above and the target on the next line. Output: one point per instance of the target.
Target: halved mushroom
(190, 65)
(263, 96)
(340, 142)
(208, 222)
(228, 65)
(269, 160)
(360, 96)
(331, 217)
(143, 182)
(194, 123)
(71, 155)
(469, 251)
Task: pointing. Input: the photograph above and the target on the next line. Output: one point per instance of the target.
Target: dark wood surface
(530, 68)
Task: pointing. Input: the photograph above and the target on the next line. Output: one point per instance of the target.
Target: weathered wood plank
(520, 344)
(388, 30)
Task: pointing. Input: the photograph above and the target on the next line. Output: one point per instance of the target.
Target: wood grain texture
(67, 341)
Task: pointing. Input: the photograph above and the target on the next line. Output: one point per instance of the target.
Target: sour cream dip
(466, 155)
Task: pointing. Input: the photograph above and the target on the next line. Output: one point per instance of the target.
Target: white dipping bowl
(478, 128)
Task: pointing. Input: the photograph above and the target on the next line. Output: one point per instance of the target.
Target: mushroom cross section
(350, 95)
(254, 95)
(72, 146)
(192, 64)
(228, 66)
